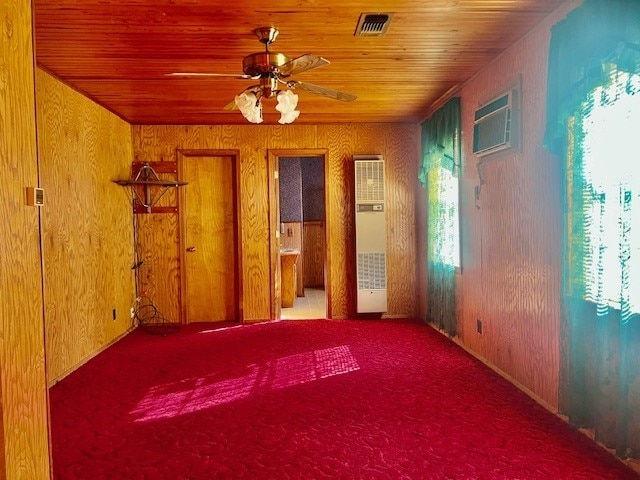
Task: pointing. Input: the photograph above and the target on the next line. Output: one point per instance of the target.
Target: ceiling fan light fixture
(274, 69)
(287, 102)
(250, 106)
(288, 117)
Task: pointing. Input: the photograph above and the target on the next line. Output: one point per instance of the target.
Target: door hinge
(275, 174)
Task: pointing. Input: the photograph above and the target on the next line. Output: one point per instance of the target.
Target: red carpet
(307, 400)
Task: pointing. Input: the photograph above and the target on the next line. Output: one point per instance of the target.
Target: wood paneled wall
(87, 226)
(23, 388)
(314, 235)
(398, 143)
(511, 253)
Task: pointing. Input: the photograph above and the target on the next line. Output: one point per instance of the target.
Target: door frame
(274, 228)
(182, 156)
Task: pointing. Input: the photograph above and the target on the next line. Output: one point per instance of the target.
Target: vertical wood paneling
(254, 199)
(293, 136)
(23, 389)
(159, 274)
(401, 179)
(511, 236)
(86, 224)
(313, 240)
(159, 242)
(398, 143)
(340, 139)
(2, 435)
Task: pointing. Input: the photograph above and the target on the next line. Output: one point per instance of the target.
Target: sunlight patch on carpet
(196, 394)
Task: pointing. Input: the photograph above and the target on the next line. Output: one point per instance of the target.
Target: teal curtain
(593, 113)
(439, 173)
(582, 45)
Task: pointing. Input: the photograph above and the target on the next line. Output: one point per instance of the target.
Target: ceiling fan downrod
(268, 86)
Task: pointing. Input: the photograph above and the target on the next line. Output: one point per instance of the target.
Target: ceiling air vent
(373, 24)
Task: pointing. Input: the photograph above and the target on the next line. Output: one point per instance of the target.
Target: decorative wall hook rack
(146, 176)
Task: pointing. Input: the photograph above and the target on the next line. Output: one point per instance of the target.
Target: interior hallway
(312, 306)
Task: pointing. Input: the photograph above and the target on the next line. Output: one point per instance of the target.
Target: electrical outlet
(479, 326)
(114, 314)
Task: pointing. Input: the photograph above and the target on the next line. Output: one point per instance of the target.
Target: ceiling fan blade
(302, 64)
(231, 105)
(325, 92)
(196, 74)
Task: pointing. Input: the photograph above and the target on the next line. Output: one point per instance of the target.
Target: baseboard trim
(631, 463)
(500, 372)
(402, 316)
(69, 371)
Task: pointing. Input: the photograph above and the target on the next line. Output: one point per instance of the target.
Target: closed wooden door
(210, 240)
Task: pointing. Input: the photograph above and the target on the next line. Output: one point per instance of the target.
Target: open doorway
(298, 200)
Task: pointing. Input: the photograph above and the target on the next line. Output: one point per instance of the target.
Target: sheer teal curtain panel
(593, 122)
(441, 140)
(593, 35)
(439, 174)
(602, 268)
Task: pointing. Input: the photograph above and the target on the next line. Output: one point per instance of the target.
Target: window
(439, 173)
(443, 195)
(604, 167)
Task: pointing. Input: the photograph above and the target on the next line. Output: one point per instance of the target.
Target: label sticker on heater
(368, 207)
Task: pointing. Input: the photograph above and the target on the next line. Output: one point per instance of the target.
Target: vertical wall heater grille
(371, 234)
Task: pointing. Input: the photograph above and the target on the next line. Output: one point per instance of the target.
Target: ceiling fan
(273, 70)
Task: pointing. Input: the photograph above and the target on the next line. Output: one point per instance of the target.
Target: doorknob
(191, 249)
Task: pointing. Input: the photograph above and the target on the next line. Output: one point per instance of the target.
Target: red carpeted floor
(307, 400)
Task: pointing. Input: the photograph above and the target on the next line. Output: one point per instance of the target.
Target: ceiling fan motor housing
(262, 63)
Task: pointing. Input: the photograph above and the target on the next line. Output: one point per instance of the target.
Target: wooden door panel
(314, 235)
(211, 252)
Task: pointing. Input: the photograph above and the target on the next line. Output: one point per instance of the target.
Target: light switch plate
(35, 196)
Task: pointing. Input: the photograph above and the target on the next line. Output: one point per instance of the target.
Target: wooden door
(210, 240)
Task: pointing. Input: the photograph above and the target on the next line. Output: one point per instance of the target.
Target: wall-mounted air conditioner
(371, 234)
(496, 124)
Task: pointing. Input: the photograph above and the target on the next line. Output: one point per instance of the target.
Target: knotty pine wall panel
(400, 178)
(254, 195)
(292, 137)
(24, 452)
(340, 218)
(512, 238)
(87, 227)
(398, 143)
(157, 244)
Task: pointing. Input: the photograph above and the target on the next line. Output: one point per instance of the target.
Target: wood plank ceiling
(118, 52)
